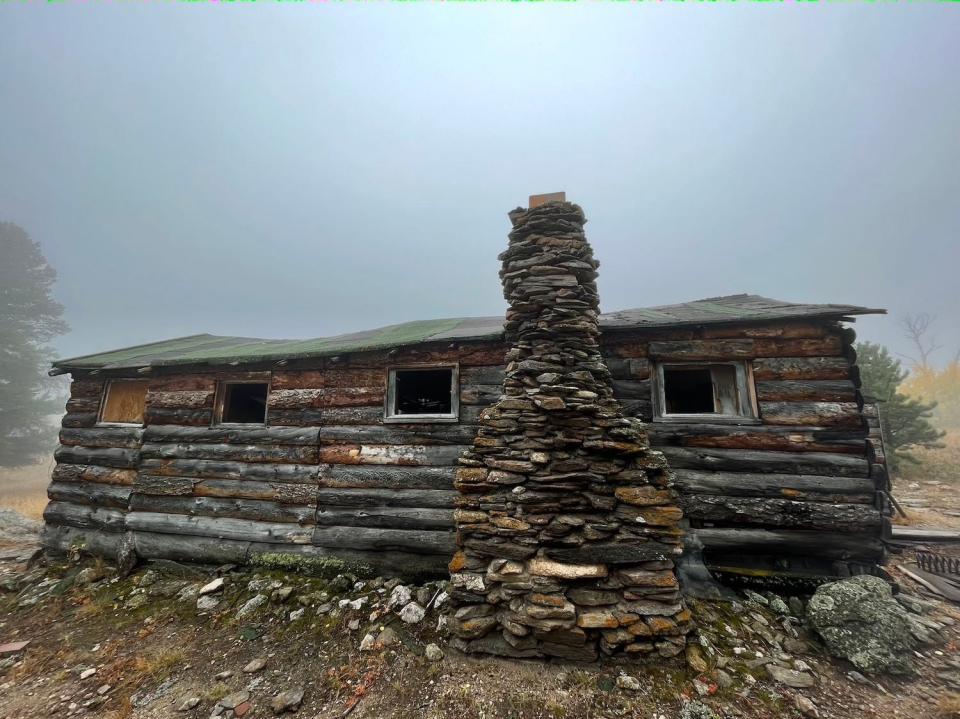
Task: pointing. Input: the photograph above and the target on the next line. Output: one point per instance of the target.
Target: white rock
(628, 683)
(255, 665)
(434, 653)
(87, 673)
(207, 603)
(399, 597)
(413, 613)
(368, 643)
(215, 586)
(297, 614)
(252, 605)
(188, 704)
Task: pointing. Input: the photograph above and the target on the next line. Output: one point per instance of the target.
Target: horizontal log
(467, 354)
(784, 438)
(212, 469)
(825, 545)
(287, 454)
(820, 414)
(283, 493)
(493, 374)
(61, 540)
(631, 389)
(120, 458)
(806, 390)
(703, 349)
(779, 330)
(182, 399)
(642, 408)
(248, 530)
(405, 565)
(480, 394)
(87, 405)
(192, 548)
(92, 473)
(780, 513)
(420, 541)
(124, 437)
(84, 517)
(351, 396)
(232, 435)
(628, 368)
(187, 417)
(90, 494)
(404, 455)
(302, 417)
(386, 517)
(86, 388)
(79, 419)
(418, 498)
(801, 368)
(264, 511)
(811, 488)
(406, 434)
(395, 478)
(295, 398)
(741, 460)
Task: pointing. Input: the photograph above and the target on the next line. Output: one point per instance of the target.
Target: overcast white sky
(309, 169)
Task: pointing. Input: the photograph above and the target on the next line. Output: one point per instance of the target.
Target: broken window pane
(125, 402)
(422, 392)
(702, 389)
(245, 403)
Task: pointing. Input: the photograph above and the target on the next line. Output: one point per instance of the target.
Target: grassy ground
(929, 489)
(24, 490)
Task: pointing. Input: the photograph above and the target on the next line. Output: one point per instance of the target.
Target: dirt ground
(153, 649)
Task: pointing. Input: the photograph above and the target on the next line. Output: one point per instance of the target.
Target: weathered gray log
(801, 368)
(430, 498)
(786, 438)
(213, 469)
(703, 349)
(92, 473)
(187, 548)
(221, 527)
(825, 545)
(186, 417)
(232, 435)
(182, 399)
(396, 478)
(631, 389)
(101, 456)
(60, 540)
(404, 455)
(820, 414)
(642, 408)
(88, 493)
(812, 488)
(79, 419)
(780, 513)
(263, 511)
(291, 399)
(84, 517)
(285, 493)
(405, 565)
(123, 437)
(741, 460)
(386, 517)
(633, 368)
(480, 394)
(412, 434)
(300, 417)
(833, 390)
(418, 541)
(83, 405)
(482, 375)
(286, 454)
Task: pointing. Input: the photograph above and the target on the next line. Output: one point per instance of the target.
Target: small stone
(805, 706)
(388, 637)
(148, 578)
(413, 613)
(287, 700)
(232, 700)
(215, 586)
(242, 709)
(399, 597)
(790, 677)
(87, 673)
(696, 660)
(368, 643)
(628, 683)
(779, 606)
(297, 614)
(222, 675)
(103, 689)
(433, 653)
(188, 703)
(255, 665)
(252, 605)
(207, 603)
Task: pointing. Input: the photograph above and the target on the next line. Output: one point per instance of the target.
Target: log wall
(327, 476)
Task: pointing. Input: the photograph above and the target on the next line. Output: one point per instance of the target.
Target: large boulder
(860, 620)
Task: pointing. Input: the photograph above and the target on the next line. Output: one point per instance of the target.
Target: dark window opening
(688, 391)
(245, 403)
(423, 391)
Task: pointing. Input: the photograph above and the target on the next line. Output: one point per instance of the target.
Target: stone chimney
(567, 531)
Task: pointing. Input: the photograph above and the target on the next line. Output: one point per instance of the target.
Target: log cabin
(219, 449)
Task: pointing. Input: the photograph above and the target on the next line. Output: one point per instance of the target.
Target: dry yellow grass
(949, 706)
(24, 489)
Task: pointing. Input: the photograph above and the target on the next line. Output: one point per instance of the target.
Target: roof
(217, 350)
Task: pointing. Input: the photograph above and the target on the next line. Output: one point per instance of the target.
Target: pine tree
(29, 319)
(906, 421)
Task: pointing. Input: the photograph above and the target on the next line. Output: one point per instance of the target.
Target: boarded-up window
(703, 390)
(422, 394)
(243, 402)
(125, 402)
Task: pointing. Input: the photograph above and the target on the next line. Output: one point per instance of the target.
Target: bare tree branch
(916, 328)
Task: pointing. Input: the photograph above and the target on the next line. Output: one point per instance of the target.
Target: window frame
(746, 394)
(220, 399)
(389, 403)
(106, 393)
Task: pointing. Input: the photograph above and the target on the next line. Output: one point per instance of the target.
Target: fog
(309, 169)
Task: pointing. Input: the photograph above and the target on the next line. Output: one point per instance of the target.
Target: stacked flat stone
(567, 530)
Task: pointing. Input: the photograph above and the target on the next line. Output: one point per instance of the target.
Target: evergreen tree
(906, 421)
(29, 318)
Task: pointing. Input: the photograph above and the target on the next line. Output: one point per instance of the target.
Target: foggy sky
(308, 169)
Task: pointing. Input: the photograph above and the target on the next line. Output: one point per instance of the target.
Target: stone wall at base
(566, 528)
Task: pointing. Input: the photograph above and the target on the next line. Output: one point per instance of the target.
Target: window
(124, 402)
(423, 394)
(704, 392)
(243, 403)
